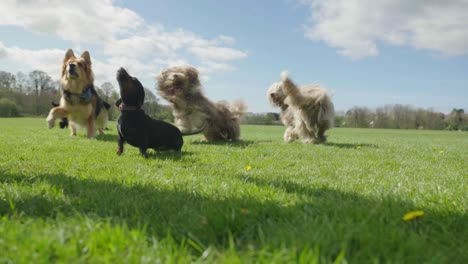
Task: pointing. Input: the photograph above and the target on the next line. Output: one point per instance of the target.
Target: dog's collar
(124, 107)
(85, 97)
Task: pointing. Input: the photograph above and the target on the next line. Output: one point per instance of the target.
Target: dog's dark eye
(80, 64)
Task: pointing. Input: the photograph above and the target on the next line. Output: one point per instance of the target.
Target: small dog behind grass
(137, 128)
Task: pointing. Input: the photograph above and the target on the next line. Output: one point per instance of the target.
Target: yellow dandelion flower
(244, 210)
(412, 215)
(248, 167)
(358, 147)
(441, 152)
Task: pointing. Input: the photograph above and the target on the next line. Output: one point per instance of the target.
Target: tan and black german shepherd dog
(79, 101)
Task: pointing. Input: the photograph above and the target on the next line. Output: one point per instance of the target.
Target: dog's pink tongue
(174, 89)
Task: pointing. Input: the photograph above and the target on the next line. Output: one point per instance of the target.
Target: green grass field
(73, 200)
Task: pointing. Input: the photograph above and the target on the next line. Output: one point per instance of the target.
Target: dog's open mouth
(173, 89)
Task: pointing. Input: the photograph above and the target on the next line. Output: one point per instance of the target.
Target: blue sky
(370, 53)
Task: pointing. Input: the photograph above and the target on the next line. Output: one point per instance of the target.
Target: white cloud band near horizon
(357, 27)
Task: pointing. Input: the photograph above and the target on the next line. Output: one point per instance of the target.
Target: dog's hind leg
(306, 135)
(143, 152)
(72, 129)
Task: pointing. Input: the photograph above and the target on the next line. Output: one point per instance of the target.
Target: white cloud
(355, 27)
(85, 21)
(48, 60)
(217, 53)
(120, 34)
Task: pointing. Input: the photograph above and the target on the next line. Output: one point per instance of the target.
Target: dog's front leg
(290, 134)
(56, 112)
(120, 145)
(91, 128)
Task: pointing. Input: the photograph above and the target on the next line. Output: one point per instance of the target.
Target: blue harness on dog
(84, 98)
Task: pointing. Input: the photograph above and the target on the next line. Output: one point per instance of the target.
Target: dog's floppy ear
(192, 74)
(86, 57)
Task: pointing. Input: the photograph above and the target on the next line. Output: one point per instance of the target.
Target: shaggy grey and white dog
(194, 111)
(307, 112)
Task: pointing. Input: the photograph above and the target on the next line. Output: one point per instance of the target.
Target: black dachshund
(137, 128)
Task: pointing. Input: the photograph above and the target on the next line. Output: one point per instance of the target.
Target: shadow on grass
(350, 146)
(108, 138)
(240, 143)
(330, 219)
(161, 154)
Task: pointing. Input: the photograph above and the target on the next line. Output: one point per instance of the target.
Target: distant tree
(8, 108)
(107, 88)
(261, 119)
(339, 120)
(22, 82)
(39, 80)
(7, 80)
(455, 120)
(382, 118)
(113, 111)
(358, 117)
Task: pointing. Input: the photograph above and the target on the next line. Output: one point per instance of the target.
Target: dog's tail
(198, 131)
(238, 108)
(290, 89)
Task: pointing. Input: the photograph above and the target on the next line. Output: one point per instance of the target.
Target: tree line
(32, 94)
(403, 117)
(389, 116)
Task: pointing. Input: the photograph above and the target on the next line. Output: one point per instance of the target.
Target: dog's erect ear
(69, 54)
(86, 57)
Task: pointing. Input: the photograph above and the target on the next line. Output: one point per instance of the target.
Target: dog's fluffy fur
(137, 128)
(79, 101)
(307, 112)
(194, 111)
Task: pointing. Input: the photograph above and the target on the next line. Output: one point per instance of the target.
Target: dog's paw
(284, 75)
(119, 150)
(50, 121)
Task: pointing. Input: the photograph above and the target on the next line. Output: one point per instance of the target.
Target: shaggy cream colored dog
(307, 112)
(193, 111)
